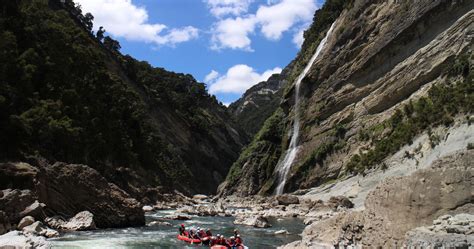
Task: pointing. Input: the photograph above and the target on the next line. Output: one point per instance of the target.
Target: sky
(230, 45)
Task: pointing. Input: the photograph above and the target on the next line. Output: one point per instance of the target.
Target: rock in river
(287, 200)
(255, 221)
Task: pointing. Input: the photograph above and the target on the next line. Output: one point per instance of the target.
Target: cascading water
(284, 165)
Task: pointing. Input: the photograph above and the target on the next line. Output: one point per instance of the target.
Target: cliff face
(389, 72)
(258, 103)
(65, 96)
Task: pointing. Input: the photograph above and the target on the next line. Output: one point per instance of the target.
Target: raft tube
(225, 247)
(189, 240)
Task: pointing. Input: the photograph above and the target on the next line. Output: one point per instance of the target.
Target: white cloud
(122, 18)
(220, 8)
(272, 19)
(211, 76)
(233, 33)
(278, 18)
(238, 79)
(298, 36)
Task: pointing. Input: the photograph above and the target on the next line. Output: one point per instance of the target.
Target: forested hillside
(66, 95)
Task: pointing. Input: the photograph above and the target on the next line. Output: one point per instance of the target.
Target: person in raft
(221, 241)
(238, 240)
(231, 242)
(182, 230)
(201, 234)
(212, 241)
(192, 233)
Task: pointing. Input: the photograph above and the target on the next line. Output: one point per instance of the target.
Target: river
(165, 236)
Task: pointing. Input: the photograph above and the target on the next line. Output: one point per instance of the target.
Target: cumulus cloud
(233, 33)
(220, 8)
(238, 79)
(211, 76)
(278, 18)
(272, 20)
(122, 18)
(298, 36)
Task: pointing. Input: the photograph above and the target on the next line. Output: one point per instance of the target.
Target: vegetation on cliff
(439, 107)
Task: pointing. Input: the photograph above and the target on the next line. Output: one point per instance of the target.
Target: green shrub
(443, 102)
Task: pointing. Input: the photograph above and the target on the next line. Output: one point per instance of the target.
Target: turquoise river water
(165, 236)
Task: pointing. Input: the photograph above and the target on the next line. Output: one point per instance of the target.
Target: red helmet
(182, 225)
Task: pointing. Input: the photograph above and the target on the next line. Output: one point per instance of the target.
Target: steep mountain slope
(389, 72)
(67, 97)
(257, 104)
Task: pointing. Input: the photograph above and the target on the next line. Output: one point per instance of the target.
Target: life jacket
(238, 241)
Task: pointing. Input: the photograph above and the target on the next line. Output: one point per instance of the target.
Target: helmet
(238, 235)
(222, 236)
(232, 237)
(182, 225)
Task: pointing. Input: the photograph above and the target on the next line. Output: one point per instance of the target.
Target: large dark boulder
(20, 203)
(72, 188)
(287, 199)
(339, 201)
(65, 189)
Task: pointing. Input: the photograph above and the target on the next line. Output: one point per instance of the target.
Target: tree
(88, 18)
(111, 44)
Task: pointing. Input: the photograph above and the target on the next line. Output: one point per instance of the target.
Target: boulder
(15, 201)
(457, 231)
(82, 221)
(339, 201)
(255, 221)
(5, 224)
(26, 221)
(55, 222)
(147, 208)
(36, 210)
(287, 199)
(50, 233)
(68, 189)
(159, 223)
(200, 197)
(38, 228)
(16, 239)
(177, 216)
(65, 189)
(35, 228)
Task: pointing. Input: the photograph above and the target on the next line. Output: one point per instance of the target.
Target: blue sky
(228, 44)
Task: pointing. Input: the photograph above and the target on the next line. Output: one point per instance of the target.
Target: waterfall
(284, 165)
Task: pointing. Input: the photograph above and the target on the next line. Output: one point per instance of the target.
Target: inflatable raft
(189, 240)
(225, 247)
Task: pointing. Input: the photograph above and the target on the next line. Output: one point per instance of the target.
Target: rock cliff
(390, 71)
